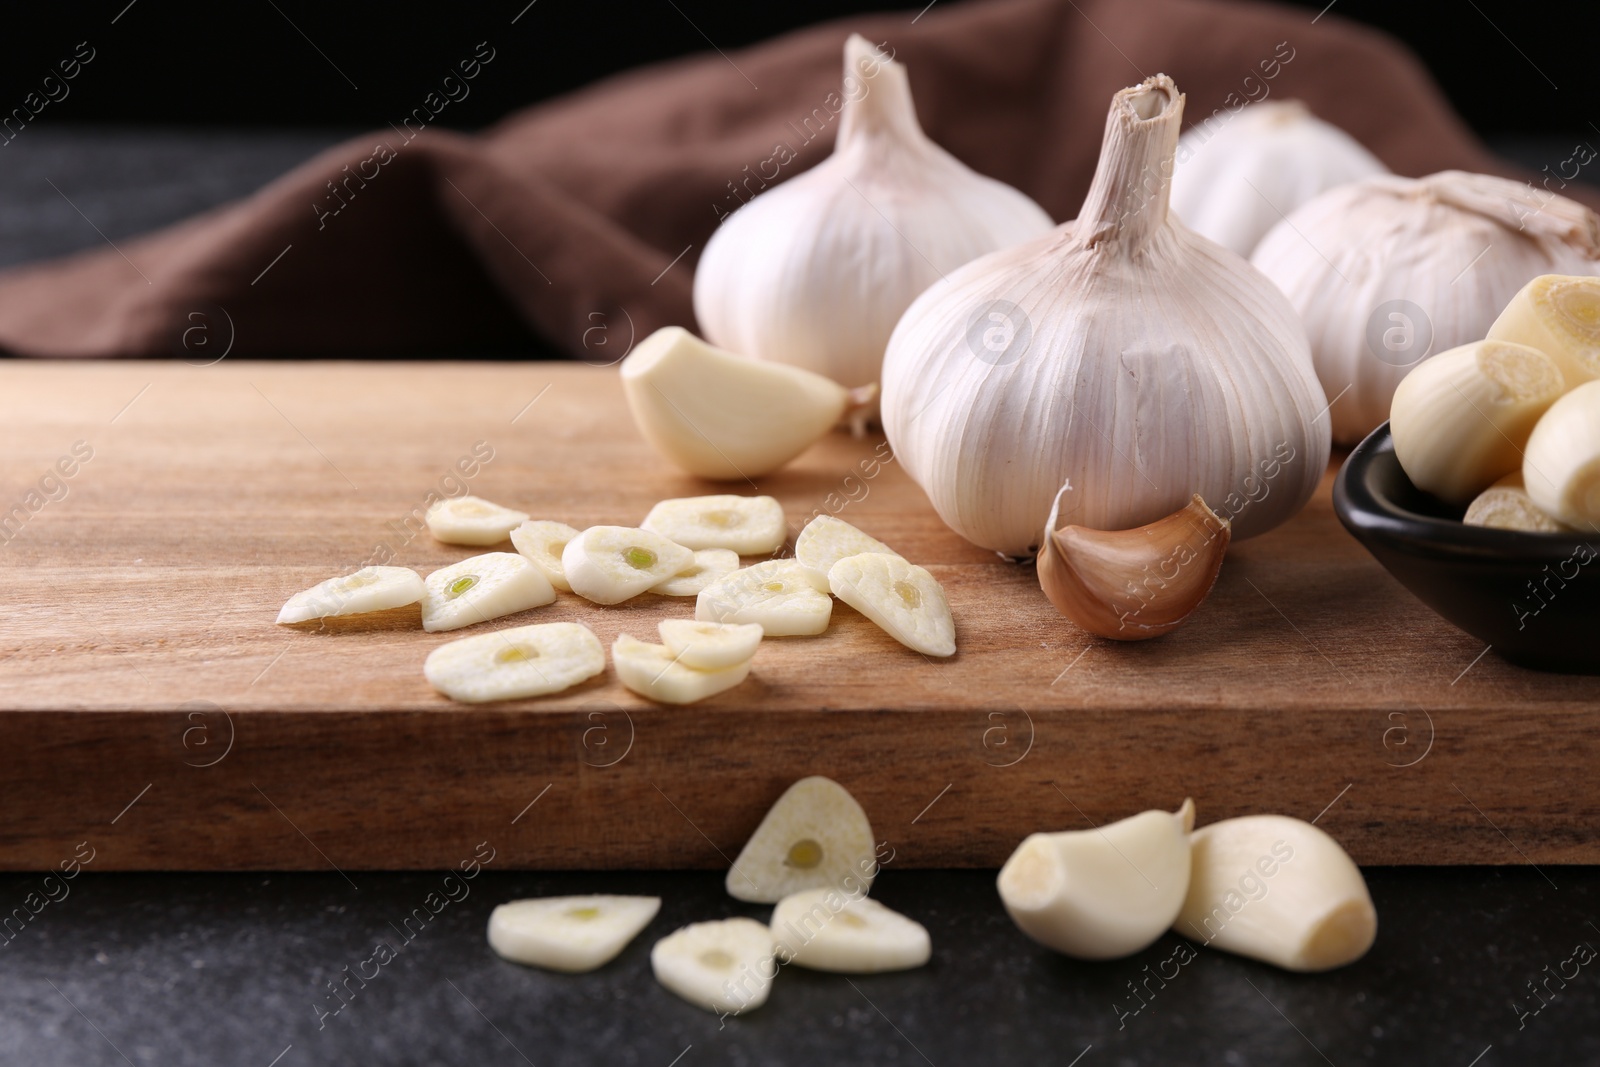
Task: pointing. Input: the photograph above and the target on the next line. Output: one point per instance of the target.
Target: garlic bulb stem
(1127, 201)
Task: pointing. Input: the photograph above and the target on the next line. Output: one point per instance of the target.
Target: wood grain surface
(150, 706)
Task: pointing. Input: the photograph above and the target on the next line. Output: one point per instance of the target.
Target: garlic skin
(1233, 184)
(1386, 271)
(816, 271)
(1561, 465)
(1121, 353)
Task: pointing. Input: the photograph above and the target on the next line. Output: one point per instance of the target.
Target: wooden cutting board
(150, 706)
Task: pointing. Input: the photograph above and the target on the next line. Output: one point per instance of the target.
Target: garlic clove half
(1279, 890)
(368, 589)
(828, 930)
(774, 593)
(471, 520)
(518, 662)
(724, 966)
(1130, 585)
(610, 564)
(1461, 419)
(543, 542)
(1506, 505)
(904, 600)
(710, 646)
(708, 565)
(1561, 466)
(748, 525)
(1560, 316)
(655, 673)
(569, 934)
(481, 588)
(825, 541)
(1104, 893)
(815, 837)
(722, 416)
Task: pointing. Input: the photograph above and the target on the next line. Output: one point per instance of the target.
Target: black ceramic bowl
(1534, 597)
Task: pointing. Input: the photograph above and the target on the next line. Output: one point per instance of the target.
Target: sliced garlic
(368, 589)
(510, 664)
(481, 588)
(815, 837)
(1560, 316)
(710, 646)
(827, 930)
(722, 966)
(722, 416)
(1103, 893)
(471, 520)
(825, 541)
(1506, 505)
(1461, 419)
(1562, 464)
(749, 525)
(543, 541)
(656, 674)
(709, 564)
(1279, 890)
(904, 600)
(570, 934)
(610, 564)
(774, 593)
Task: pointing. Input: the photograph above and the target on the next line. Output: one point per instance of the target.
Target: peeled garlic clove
(722, 416)
(1506, 505)
(1562, 463)
(543, 542)
(1129, 585)
(748, 525)
(825, 541)
(1461, 419)
(610, 564)
(710, 646)
(471, 520)
(1104, 893)
(368, 589)
(569, 934)
(1279, 890)
(481, 588)
(1560, 316)
(708, 565)
(815, 837)
(827, 930)
(904, 600)
(721, 966)
(510, 664)
(774, 593)
(656, 674)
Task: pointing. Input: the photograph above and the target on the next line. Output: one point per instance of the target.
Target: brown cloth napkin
(581, 219)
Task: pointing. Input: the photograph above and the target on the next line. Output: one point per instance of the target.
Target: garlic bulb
(1233, 183)
(1120, 354)
(816, 271)
(1387, 271)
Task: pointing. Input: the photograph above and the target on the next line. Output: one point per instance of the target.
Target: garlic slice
(825, 541)
(1562, 464)
(481, 588)
(368, 589)
(1103, 893)
(1130, 585)
(815, 837)
(610, 564)
(1279, 890)
(471, 520)
(774, 593)
(826, 930)
(569, 934)
(710, 646)
(722, 966)
(1506, 505)
(904, 600)
(656, 674)
(1461, 419)
(1560, 316)
(518, 662)
(708, 565)
(722, 416)
(749, 525)
(543, 541)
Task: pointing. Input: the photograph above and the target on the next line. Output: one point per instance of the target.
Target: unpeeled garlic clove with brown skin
(1131, 585)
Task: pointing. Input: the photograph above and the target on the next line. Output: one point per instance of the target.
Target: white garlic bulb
(815, 272)
(1388, 271)
(1121, 355)
(1240, 172)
